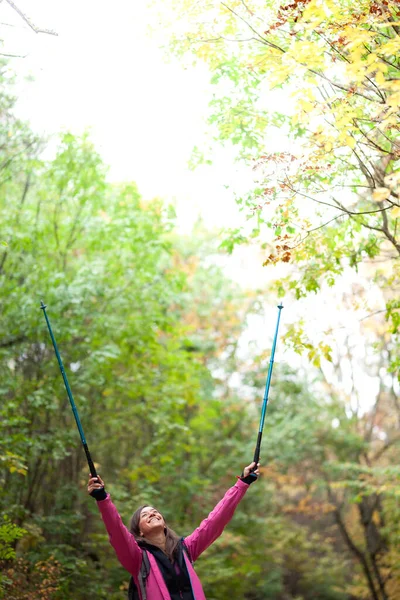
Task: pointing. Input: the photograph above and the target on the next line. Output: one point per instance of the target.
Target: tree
(334, 196)
(325, 204)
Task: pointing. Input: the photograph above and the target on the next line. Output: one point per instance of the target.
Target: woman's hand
(250, 473)
(249, 469)
(96, 488)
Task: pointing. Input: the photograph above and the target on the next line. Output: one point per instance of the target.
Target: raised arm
(212, 527)
(127, 550)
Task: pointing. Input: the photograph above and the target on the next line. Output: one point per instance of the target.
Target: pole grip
(92, 468)
(256, 457)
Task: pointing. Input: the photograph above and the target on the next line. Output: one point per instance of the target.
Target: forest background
(161, 345)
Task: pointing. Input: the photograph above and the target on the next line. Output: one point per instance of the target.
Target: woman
(171, 574)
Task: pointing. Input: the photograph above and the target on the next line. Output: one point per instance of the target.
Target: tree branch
(3, 260)
(28, 21)
(338, 205)
(351, 545)
(259, 36)
(12, 341)
(388, 445)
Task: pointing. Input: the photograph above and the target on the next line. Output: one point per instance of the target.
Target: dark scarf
(178, 585)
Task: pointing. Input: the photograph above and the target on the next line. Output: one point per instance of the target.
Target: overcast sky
(105, 73)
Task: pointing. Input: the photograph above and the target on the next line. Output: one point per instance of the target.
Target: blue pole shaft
(70, 396)
(266, 392)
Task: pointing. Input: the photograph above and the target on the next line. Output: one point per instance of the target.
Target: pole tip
(280, 306)
(42, 305)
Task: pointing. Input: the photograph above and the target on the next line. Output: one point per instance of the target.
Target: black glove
(251, 477)
(100, 494)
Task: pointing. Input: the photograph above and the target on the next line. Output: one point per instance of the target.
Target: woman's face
(150, 521)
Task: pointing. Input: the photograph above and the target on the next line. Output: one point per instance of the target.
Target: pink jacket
(130, 555)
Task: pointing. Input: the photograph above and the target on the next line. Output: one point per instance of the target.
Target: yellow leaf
(380, 194)
(371, 58)
(381, 66)
(396, 212)
(379, 78)
(394, 100)
(350, 141)
(306, 105)
(391, 47)
(314, 13)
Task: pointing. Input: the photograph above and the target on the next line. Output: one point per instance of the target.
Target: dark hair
(171, 538)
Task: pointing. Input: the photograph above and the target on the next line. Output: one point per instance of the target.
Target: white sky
(104, 73)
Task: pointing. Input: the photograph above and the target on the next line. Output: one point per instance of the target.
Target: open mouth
(154, 519)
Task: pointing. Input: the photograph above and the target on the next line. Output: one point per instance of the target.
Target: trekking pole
(266, 393)
(70, 396)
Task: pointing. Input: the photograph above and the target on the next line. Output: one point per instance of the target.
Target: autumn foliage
(308, 92)
(40, 581)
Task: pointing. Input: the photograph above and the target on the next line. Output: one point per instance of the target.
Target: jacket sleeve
(126, 548)
(212, 527)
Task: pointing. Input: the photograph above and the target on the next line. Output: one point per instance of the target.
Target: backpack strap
(143, 574)
(142, 578)
(186, 549)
